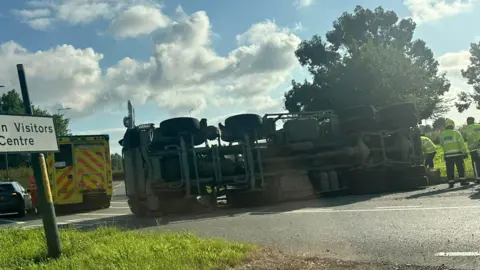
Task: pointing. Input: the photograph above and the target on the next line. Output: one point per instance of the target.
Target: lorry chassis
(357, 151)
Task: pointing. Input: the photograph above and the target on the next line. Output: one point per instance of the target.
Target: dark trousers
(429, 160)
(450, 163)
(475, 163)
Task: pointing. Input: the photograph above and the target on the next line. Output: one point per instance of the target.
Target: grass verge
(110, 248)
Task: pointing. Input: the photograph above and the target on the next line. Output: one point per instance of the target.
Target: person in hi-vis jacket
(455, 151)
(429, 151)
(472, 137)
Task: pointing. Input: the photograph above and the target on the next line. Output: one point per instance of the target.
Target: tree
(439, 123)
(369, 58)
(472, 74)
(117, 164)
(11, 103)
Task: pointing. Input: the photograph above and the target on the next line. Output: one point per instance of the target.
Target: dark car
(14, 199)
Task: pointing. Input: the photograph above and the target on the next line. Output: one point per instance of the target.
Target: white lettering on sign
(27, 134)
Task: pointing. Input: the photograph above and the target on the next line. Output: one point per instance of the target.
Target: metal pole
(6, 164)
(6, 155)
(46, 204)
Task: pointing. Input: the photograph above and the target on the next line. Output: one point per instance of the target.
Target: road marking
(400, 206)
(119, 202)
(119, 207)
(457, 254)
(119, 185)
(12, 221)
(329, 210)
(106, 214)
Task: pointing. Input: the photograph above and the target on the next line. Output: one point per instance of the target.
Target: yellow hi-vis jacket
(428, 146)
(452, 141)
(472, 136)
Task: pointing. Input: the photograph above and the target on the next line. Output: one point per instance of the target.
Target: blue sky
(169, 57)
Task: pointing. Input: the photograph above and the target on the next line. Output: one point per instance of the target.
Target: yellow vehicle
(81, 173)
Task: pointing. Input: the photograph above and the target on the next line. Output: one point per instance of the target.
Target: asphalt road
(433, 226)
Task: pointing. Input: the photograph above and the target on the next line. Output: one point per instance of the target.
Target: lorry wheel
(397, 109)
(399, 115)
(357, 111)
(358, 118)
(242, 123)
(174, 127)
(137, 208)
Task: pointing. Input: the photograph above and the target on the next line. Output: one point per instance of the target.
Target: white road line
(400, 206)
(119, 185)
(457, 254)
(119, 202)
(329, 210)
(106, 214)
(119, 207)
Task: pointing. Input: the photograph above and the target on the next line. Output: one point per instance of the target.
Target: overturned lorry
(254, 160)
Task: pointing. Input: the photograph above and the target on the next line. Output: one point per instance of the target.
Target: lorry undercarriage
(252, 162)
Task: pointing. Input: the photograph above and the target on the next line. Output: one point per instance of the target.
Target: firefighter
(455, 151)
(472, 137)
(429, 151)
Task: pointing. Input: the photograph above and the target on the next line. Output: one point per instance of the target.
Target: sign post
(36, 135)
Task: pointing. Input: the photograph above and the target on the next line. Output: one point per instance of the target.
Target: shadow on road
(439, 189)
(476, 195)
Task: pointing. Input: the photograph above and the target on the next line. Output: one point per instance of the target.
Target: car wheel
(22, 211)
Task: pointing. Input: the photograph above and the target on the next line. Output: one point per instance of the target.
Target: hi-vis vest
(472, 136)
(452, 143)
(428, 146)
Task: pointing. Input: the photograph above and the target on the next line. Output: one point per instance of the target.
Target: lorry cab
(80, 172)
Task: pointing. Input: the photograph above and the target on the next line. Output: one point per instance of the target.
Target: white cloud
(138, 20)
(434, 10)
(183, 73)
(453, 63)
(33, 13)
(76, 12)
(40, 23)
(302, 3)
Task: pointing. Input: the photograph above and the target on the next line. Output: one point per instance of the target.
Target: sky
(201, 58)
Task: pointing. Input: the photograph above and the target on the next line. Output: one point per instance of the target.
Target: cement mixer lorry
(257, 160)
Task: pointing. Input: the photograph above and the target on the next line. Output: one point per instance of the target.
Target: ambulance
(80, 173)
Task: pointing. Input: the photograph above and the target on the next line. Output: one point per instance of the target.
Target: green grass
(110, 248)
(440, 164)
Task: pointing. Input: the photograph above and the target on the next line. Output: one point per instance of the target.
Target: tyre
(398, 109)
(357, 112)
(22, 211)
(137, 208)
(358, 124)
(244, 122)
(358, 118)
(177, 126)
(400, 115)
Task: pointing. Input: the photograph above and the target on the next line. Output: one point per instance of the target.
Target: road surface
(433, 226)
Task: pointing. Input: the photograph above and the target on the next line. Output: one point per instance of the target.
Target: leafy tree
(11, 103)
(117, 164)
(369, 58)
(472, 74)
(426, 128)
(439, 123)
